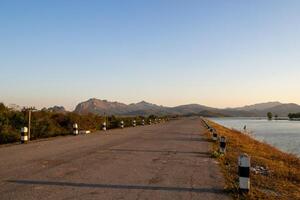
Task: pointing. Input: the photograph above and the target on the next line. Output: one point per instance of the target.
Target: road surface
(163, 161)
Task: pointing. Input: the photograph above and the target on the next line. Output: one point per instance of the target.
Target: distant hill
(259, 106)
(190, 109)
(58, 109)
(281, 110)
(277, 108)
(98, 106)
(236, 113)
(208, 113)
(102, 107)
(143, 108)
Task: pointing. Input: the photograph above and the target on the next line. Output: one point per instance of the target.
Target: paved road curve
(164, 161)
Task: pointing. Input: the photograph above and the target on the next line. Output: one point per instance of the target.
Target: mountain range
(102, 107)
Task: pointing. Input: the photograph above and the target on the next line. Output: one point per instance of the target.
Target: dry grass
(283, 180)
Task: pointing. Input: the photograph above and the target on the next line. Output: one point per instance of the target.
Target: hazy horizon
(215, 53)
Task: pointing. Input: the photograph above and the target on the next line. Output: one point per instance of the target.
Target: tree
(270, 115)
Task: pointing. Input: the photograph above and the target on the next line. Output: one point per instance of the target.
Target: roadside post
(104, 126)
(204, 122)
(223, 145)
(134, 123)
(24, 135)
(207, 126)
(244, 173)
(150, 121)
(122, 124)
(215, 136)
(211, 130)
(75, 129)
(143, 122)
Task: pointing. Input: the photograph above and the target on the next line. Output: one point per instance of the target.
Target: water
(283, 134)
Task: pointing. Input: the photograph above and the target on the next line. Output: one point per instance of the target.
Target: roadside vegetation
(50, 124)
(274, 174)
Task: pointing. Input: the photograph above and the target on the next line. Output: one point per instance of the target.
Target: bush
(7, 135)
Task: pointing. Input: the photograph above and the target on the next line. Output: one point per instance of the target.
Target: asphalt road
(163, 161)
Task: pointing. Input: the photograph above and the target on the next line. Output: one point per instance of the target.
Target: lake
(283, 134)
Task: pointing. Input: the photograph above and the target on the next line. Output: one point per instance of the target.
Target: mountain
(236, 113)
(143, 105)
(57, 109)
(282, 110)
(277, 108)
(260, 106)
(102, 107)
(208, 113)
(143, 108)
(190, 109)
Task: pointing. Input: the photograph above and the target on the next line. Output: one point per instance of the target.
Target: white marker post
(223, 144)
(205, 124)
(104, 126)
(215, 136)
(244, 173)
(122, 124)
(24, 135)
(150, 121)
(75, 129)
(134, 123)
(143, 122)
(211, 130)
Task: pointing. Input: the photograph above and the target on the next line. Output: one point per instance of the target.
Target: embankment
(274, 174)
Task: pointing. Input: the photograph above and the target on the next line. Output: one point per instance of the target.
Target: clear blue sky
(217, 53)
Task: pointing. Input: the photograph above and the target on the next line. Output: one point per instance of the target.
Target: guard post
(104, 126)
(24, 135)
(75, 129)
(244, 173)
(223, 145)
(134, 123)
(211, 130)
(215, 136)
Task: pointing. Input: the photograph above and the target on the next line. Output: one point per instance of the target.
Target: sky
(168, 52)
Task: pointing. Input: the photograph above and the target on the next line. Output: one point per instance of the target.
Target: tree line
(290, 116)
(49, 124)
(294, 115)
